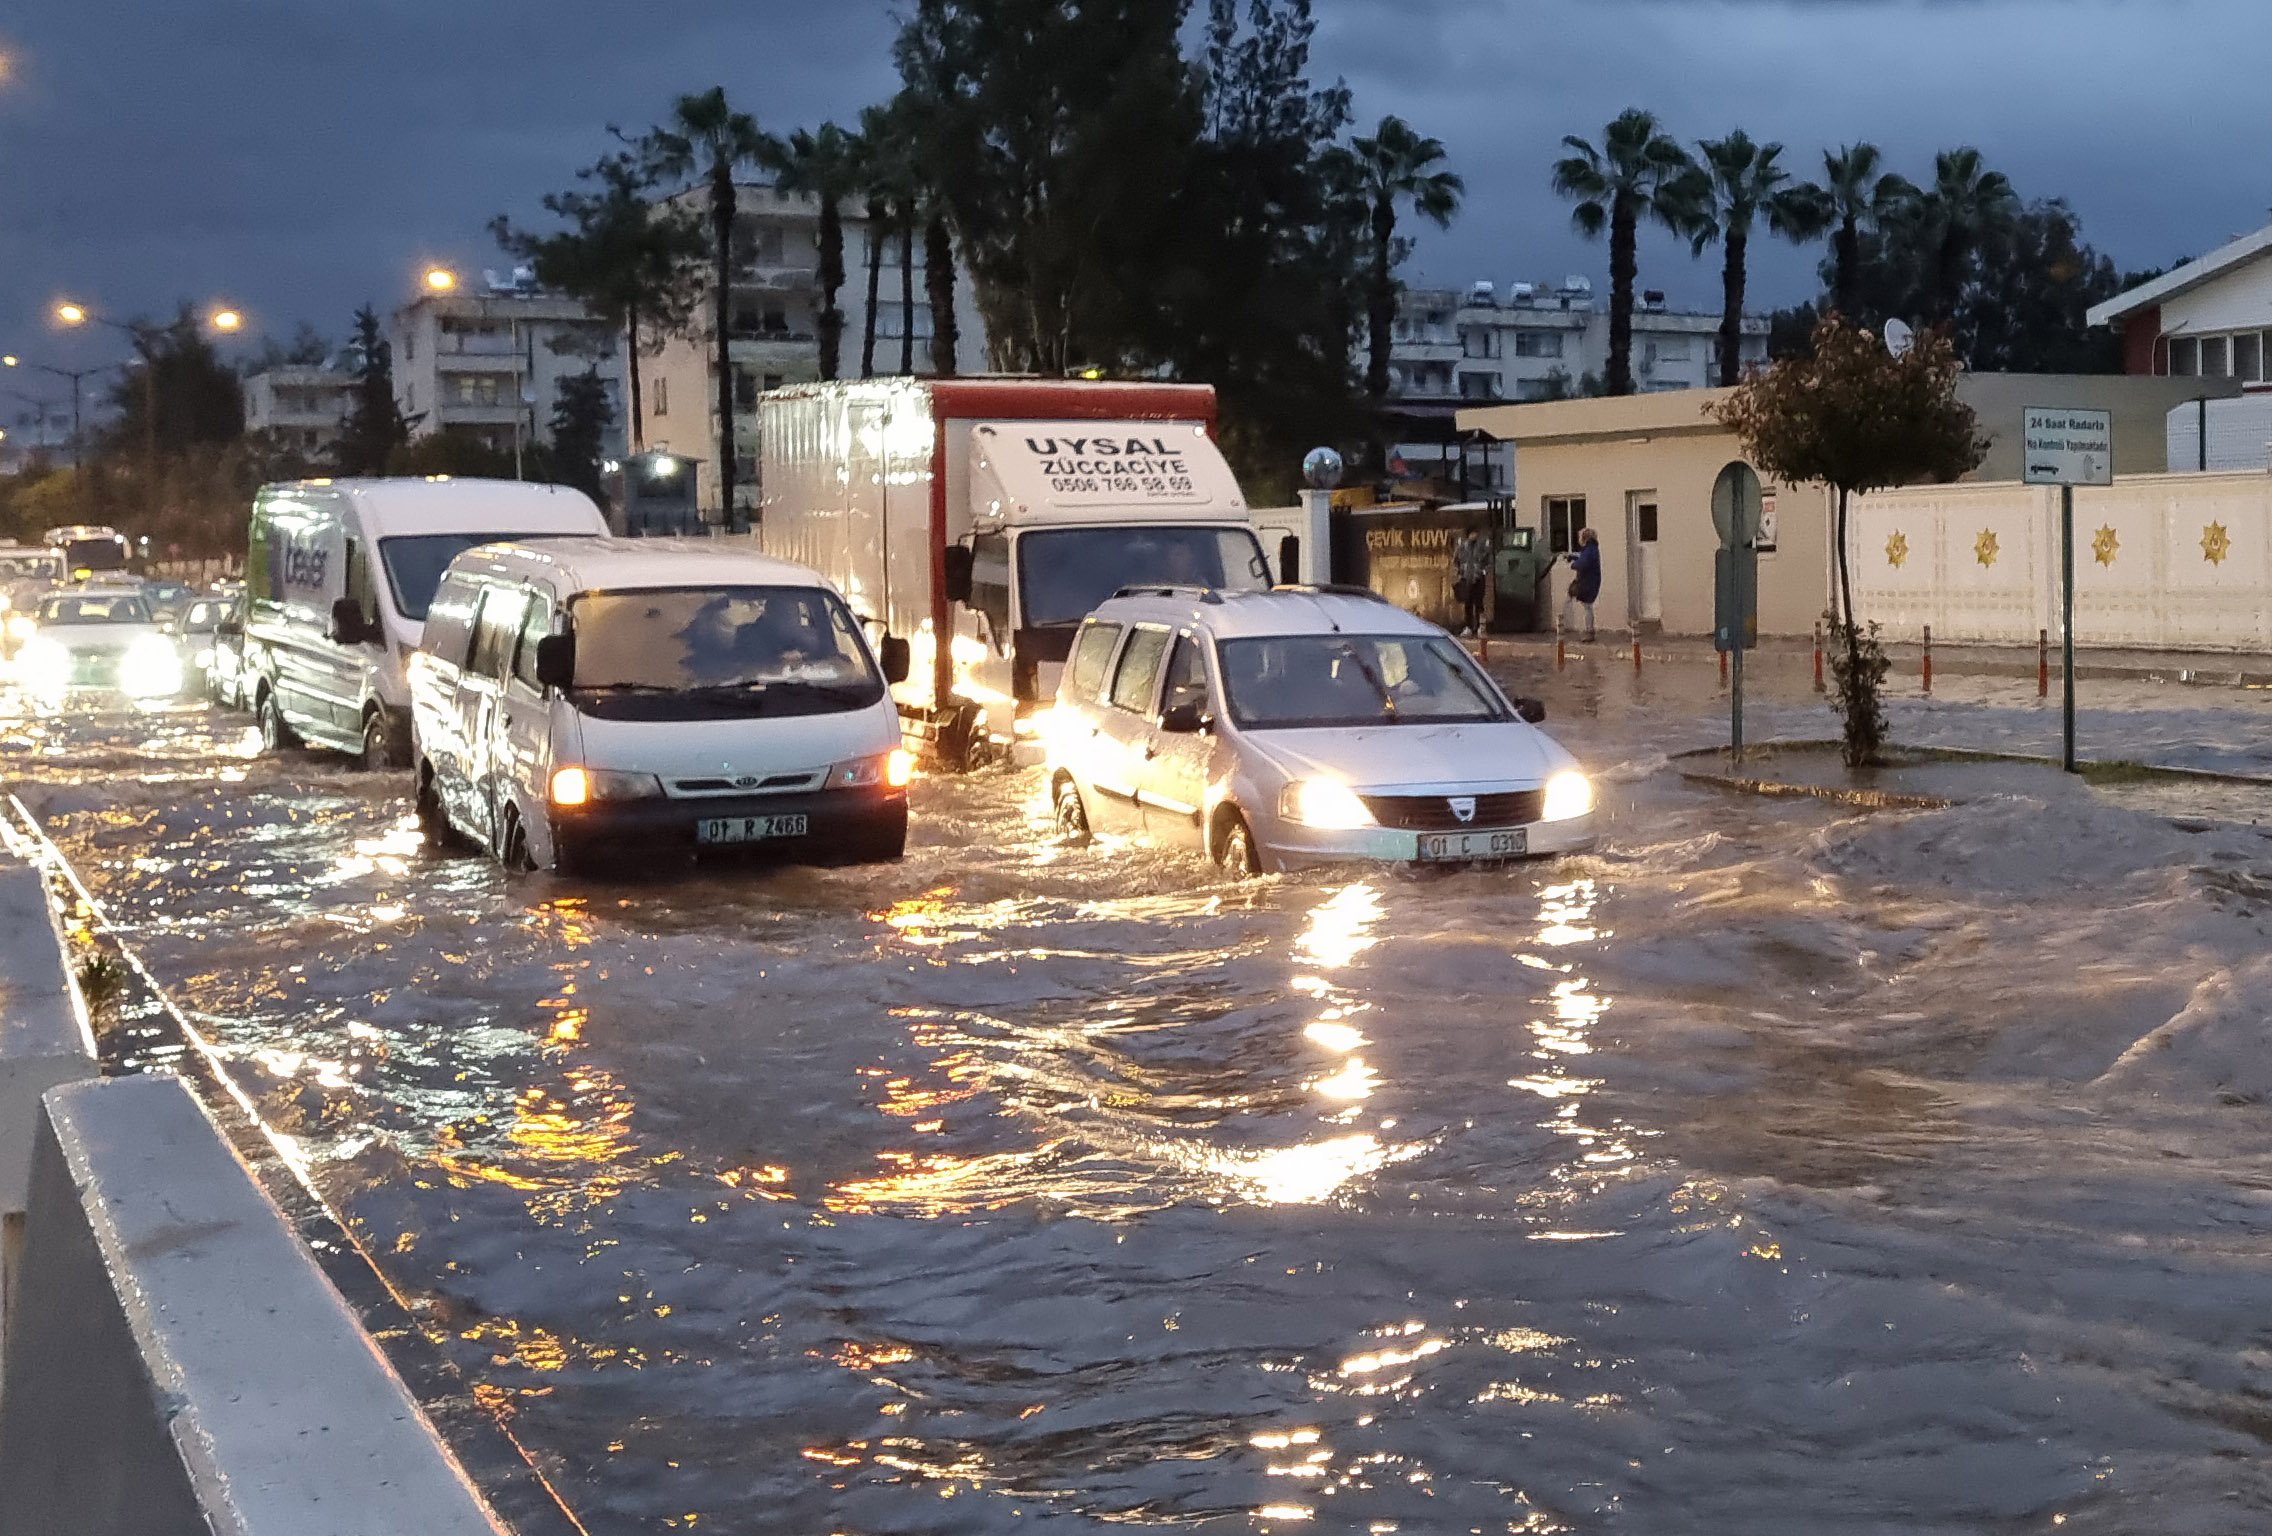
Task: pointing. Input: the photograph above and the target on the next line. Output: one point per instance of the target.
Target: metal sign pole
(2067, 611)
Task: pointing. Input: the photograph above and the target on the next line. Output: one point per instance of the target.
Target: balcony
(773, 351)
(499, 362)
(1430, 350)
(775, 277)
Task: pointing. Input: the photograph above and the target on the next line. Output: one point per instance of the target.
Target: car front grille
(1434, 813)
(776, 784)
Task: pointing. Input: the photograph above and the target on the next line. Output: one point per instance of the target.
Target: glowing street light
(71, 314)
(11, 360)
(440, 280)
(226, 320)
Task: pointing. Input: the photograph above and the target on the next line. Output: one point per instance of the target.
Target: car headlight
(1569, 795)
(21, 627)
(150, 668)
(204, 659)
(43, 664)
(1327, 804)
(572, 787)
(892, 769)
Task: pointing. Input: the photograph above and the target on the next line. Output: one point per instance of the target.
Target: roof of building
(2193, 274)
(633, 565)
(1261, 615)
(1656, 414)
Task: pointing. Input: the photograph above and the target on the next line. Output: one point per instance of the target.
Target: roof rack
(1331, 589)
(1156, 589)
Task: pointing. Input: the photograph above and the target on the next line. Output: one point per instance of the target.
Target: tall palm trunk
(634, 397)
(830, 325)
(722, 209)
(906, 288)
(939, 283)
(875, 287)
(1732, 282)
(1624, 268)
(1948, 274)
(1849, 252)
(1380, 299)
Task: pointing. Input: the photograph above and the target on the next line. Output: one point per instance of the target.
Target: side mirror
(1184, 719)
(556, 661)
(897, 659)
(347, 624)
(958, 564)
(1531, 710)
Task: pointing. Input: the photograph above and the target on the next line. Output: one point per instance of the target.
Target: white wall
(2144, 572)
(2237, 300)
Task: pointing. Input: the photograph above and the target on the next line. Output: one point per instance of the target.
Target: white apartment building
(774, 336)
(491, 363)
(302, 408)
(1455, 347)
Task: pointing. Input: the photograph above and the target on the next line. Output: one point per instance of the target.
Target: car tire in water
(383, 748)
(434, 821)
(1235, 848)
(1072, 815)
(513, 846)
(275, 734)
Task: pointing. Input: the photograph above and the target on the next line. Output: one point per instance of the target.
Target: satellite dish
(1899, 338)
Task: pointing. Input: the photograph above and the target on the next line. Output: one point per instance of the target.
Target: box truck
(983, 518)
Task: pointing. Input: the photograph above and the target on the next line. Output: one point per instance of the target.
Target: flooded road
(1778, 1167)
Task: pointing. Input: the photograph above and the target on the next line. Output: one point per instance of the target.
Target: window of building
(1538, 343)
(2248, 356)
(1565, 520)
(775, 380)
(1479, 386)
(745, 390)
(661, 395)
(1478, 341)
(1669, 349)
(2216, 357)
(2184, 357)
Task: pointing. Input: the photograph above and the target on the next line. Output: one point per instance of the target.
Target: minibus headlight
(892, 769)
(150, 669)
(572, 787)
(43, 664)
(1569, 795)
(1327, 804)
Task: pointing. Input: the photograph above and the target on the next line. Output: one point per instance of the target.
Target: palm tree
(1747, 185)
(1394, 166)
(825, 164)
(939, 288)
(1639, 172)
(1965, 203)
(1857, 193)
(707, 140)
(887, 177)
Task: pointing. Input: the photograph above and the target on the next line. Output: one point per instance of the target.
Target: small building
(2208, 319)
(300, 408)
(490, 364)
(1639, 471)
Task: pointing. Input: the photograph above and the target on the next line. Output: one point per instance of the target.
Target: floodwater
(1778, 1168)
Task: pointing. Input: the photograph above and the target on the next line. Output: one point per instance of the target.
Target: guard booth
(654, 496)
(1403, 551)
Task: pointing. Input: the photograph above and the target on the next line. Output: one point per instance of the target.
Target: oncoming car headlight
(21, 626)
(150, 669)
(1327, 804)
(1569, 795)
(43, 665)
(572, 787)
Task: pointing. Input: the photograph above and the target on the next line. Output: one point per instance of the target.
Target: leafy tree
(1856, 418)
(707, 141)
(633, 262)
(824, 164)
(884, 176)
(308, 348)
(1639, 172)
(581, 415)
(1966, 204)
(1857, 194)
(177, 392)
(2025, 309)
(939, 285)
(464, 455)
(1396, 166)
(374, 428)
(1747, 185)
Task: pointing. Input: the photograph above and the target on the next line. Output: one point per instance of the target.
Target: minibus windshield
(744, 650)
(415, 563)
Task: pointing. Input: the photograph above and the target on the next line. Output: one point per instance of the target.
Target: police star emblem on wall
(2216, 543)
(1984, 547)
(1896, 550)
(2104, 545)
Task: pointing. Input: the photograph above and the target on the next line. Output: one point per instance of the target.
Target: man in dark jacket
(1585, 578)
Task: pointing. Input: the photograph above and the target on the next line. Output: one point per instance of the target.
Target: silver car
(1273, 730)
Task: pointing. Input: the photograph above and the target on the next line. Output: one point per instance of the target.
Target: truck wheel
(1072, 815)
(1235, 848)
(275, 734)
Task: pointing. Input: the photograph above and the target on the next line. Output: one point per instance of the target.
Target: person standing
(1585, 578)
(1471, 576)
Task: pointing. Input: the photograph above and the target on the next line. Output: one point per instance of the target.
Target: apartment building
(301, 408)
(490, 363)
(774, 338)
(1455, 347)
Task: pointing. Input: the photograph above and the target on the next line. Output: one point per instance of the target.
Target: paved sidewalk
(2205, 668)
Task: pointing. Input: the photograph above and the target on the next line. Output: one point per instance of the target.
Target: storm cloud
(298, 159)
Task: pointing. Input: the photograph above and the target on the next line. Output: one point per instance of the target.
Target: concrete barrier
(44, 1041)
(178, 1362)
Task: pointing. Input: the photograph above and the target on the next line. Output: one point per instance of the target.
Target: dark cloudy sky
(298, 157)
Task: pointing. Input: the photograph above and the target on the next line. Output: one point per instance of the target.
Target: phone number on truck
(1121, 485)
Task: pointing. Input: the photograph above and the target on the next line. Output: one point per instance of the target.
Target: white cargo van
(574, 699)
(337, 582)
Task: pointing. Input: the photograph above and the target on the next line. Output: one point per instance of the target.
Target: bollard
(1928, 658)
(2043, 663)
(1483, 645)
(1723, 669)
(1818, 658)
(1561, 650)
(1636, 653)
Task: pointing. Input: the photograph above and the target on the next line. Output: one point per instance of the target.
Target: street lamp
(70, 313)
(441, 280)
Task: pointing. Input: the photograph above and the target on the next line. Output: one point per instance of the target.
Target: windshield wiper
(621, 688)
